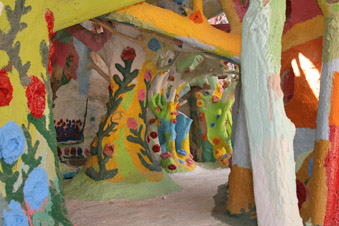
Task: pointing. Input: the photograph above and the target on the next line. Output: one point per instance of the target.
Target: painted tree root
(175, 154)
(215, 109)
(270, 132)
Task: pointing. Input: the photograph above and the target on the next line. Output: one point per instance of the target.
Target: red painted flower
(154, 135)
(172, 167)
(201, 117)
(128, 54)
(109, 149)
(166, 155)
(59, 152)
(49, 17)
(132, 123)
(189, 162)
(196, 17)
(35, 93)
(73, 151)
(215, 99)
(6, 89)
(156, 148)
(216, 141)
(203, 137)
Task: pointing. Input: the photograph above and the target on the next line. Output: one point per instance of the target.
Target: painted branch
(110, 29)
(100, 72)
(270, 132)
(70, 12)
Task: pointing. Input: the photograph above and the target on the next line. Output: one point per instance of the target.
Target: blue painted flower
(154, 44)
(181, 152)
(12, 142)
(15, 216)
(36, 188)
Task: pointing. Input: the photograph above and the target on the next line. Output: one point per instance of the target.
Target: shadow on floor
(219, 211)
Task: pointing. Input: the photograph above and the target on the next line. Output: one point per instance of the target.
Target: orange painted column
(322, 208)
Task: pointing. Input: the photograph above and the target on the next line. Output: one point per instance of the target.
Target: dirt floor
(201, 202)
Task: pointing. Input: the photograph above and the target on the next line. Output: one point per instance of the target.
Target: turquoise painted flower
(12, 142)
(36, 188)
(15, 216)
(154, 44)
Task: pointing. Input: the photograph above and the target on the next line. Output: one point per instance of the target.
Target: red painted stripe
(332, 180)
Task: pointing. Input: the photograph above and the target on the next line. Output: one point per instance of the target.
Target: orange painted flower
(196, 17)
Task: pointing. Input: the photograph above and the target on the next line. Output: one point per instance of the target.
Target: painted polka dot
(212, 125)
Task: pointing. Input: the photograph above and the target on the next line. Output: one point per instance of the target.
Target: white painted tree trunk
(270, 131)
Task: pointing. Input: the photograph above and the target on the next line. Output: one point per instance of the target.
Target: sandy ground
(201, 202)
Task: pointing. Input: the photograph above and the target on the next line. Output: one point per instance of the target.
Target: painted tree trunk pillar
(241, 194)
(30, 183)
(172, 159)
(120, 149)
(322, 208)
(270, 132)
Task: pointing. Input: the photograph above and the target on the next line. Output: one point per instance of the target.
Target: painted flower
(154, 44)
(6, 89)
(132, 123)
(148, 75)
(12, 142)
(35, 93)
(36, 188)
(128, 54)
(15, 216)
(154, 135)
(201, 117)
(109, 150)
(196, 17)
(203, 137)
(166, 155)
(189, 162)
(141, 95)
(172, 167)
(200, 103)
(156, 148)
(215, 99)
(181, 152)
(216, 141)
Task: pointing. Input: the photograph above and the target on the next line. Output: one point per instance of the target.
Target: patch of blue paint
(12, 142)
(83, 73)
(212, 125)
(310, 165)
(79, 151)
(181, 152)
(182, 162)
(182, 129)
(178, 1)
(15, 216)
(36, 188)
(218, 116)
(154, 44)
